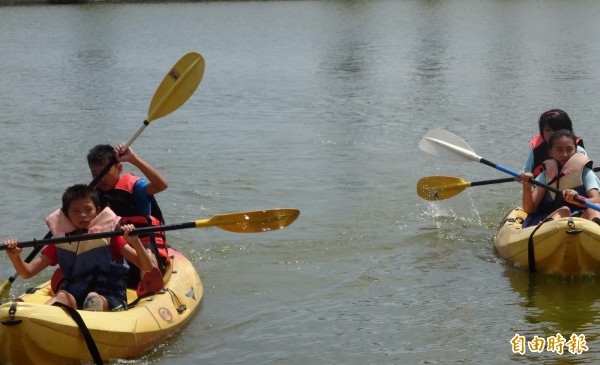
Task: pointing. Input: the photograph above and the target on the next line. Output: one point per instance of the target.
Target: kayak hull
(569, 246)
(42, 334)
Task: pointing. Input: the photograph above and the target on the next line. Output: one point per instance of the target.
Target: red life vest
(121, 200)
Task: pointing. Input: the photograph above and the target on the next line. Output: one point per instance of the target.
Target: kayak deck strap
(89, 340)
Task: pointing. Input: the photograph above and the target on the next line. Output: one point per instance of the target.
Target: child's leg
(561, 212)
(95, 302)
(63, 297)
(590, 214)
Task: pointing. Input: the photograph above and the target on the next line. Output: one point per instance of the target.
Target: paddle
(444, 187)
(176, 88)
(441, 143)
(242, 222)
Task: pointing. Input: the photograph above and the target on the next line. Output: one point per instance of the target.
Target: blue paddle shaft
(540, 184)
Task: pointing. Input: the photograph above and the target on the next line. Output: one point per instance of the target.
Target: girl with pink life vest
(132, 198)
(94, 272)
(566, 170)
(549, 122)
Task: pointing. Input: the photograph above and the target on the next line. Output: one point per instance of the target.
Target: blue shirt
(141, 197)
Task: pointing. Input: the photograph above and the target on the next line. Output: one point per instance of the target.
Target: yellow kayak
(34, 333)
(568, 246)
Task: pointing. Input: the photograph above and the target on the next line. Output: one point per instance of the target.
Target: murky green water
(317, 106)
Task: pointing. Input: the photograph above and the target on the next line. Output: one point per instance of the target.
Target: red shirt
(116, 244)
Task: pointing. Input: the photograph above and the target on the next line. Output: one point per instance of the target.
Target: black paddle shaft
(92, 236)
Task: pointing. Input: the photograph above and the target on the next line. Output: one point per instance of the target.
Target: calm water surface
(317, 106)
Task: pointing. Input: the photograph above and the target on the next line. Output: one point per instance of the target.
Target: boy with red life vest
(566, 170)
(132, 198)
(549, 122)
(94, 272)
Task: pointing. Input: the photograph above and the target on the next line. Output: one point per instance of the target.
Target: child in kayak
(94, 272)
(549, 122)
(132, 198)
(568, 171)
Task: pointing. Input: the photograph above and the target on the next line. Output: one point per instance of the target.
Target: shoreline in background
(45, 2)
(38, 2)
(67, 2)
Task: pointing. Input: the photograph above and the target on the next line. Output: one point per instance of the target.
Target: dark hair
(77, 192)
(100, 154)
(562, 133)
(555, 119)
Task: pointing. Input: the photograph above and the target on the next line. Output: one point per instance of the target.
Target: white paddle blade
(441, 143)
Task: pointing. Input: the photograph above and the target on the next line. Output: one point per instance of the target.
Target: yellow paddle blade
(177, 86)
(252, 222)
(440, 187)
